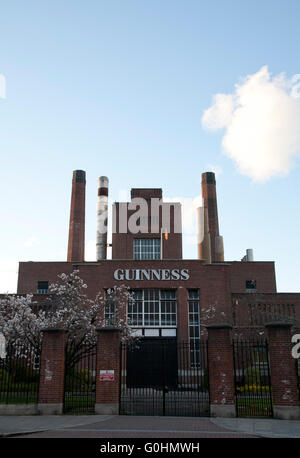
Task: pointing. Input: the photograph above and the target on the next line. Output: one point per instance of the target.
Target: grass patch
(79, 404)
(254, 407)
(18, 398)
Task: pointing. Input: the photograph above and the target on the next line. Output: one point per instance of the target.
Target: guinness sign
(151, 274)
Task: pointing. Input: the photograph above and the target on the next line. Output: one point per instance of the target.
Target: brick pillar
(107, 371)
(221, 372)
(283, 372)
(182, 315)
(52, 371)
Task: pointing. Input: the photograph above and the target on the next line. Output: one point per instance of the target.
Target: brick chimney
(77, 218)
(209, 196)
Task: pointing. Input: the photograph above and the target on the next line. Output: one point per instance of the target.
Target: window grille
(194, 327)
(146, 248)
(153, 307)
(42, 287)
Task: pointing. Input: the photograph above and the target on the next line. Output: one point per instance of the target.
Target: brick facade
(224, 297)
(52, 370)
(108, 359)
(221, 373)
(283, 372)
(214, 282)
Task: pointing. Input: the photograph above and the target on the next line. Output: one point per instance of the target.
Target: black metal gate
(252, 378)
(19, 374)
(162, 377)
(80, 380)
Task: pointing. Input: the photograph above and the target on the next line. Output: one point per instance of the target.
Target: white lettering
(185, 274)
(145, 273)
(151, 274)
(165, 274)
(117, 275)
(135, 221)
(175, 274)
(296, 348)
(155, 273)
(127, 274)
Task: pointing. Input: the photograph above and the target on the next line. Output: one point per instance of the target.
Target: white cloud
(262, 124)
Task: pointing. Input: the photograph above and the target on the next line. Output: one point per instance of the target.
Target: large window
(146, 248)
(194, 327)
(153, 307)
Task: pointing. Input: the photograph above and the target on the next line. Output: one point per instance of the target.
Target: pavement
(110, 426)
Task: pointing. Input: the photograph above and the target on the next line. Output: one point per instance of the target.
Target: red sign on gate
(107, 376)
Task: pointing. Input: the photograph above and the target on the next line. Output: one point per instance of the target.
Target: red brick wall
(51, 389)
(108, 358)
(282, 366)
(220, 360)
(215, 283)
(31, 272)
(262, 272)
(255, 310)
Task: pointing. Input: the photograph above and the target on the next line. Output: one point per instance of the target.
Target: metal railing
(160, 377)
(80, 380)
(253, 395)
(19, 374)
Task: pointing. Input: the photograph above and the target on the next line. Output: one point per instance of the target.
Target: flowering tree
(18, 322)
(66, 307)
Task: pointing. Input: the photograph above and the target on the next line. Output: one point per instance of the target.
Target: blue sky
(119, 88)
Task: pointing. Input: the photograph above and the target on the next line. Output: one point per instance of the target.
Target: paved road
(104, 426)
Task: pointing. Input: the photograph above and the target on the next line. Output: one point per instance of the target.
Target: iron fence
(19, 374)
(163, 377)
(252, 378)
(80, 379)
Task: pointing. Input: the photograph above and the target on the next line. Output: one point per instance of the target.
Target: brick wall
(51, 388)
(108, 359)
(262, 272)
(254, 310)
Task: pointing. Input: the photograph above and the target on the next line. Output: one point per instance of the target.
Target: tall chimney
(204, 248)
(102, 214)
(77, 218)
(209, 196)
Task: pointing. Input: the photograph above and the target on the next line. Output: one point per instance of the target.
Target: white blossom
(67, 307)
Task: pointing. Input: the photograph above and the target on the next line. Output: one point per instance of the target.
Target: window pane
(146, 249)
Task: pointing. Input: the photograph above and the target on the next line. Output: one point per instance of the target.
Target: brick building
(175, 297)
